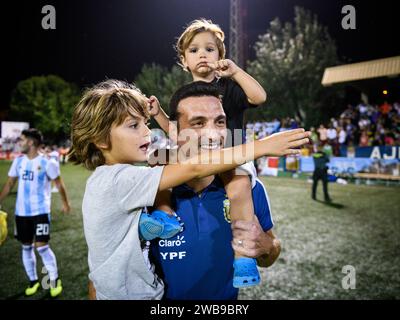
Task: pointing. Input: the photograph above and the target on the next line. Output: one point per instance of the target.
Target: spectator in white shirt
(331, 135)
(342, 135)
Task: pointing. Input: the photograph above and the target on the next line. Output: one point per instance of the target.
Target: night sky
(98, 39)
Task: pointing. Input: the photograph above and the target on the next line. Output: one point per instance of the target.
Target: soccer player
(32, 212)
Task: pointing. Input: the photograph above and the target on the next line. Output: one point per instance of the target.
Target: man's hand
(66, 208)
(92, 291)
(224, 68)
(153, 106)
(249, 239)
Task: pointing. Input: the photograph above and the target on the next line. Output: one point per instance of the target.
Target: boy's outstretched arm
(217, 161)
(254, 91)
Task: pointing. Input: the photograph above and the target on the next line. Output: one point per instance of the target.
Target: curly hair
(195, 27)
(102, 106)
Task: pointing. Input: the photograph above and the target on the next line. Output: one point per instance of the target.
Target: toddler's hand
(224, 68)
(153, 106)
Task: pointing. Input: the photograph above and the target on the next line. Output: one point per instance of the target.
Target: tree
(159, 81)
(46, 102)
(290, 61)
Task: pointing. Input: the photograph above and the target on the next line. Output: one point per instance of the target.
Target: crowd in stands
(362, 125)
(9, 149)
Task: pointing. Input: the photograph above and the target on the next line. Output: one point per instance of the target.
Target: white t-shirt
(331, 134)
(34, 191)
(342, 136)
(113, 202)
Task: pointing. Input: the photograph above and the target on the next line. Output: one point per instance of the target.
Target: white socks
(49, 261)
(48, 258)
(29, 260)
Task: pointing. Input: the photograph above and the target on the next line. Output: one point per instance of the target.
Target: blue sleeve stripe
(19, 160)
(265, 193)
(27, 190)
(18, 163)
(41, 186)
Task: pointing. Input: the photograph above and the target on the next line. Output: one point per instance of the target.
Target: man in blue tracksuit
(198, 263)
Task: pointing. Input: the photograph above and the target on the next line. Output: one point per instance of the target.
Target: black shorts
(30, 229)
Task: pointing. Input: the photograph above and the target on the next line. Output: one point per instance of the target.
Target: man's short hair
(193, 89)
(33, 134)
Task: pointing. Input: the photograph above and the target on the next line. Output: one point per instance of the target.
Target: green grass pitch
(360, 228)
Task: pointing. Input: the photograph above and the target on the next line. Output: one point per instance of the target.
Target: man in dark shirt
(320, 172)
(197, 264)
